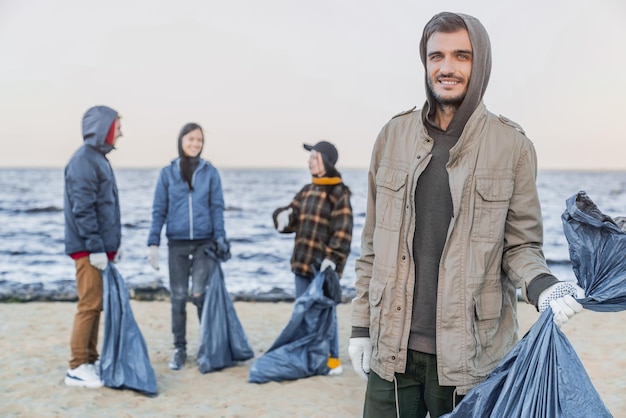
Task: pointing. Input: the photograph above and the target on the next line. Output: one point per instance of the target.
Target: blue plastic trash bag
(597, 248)
(124, 363)
(302, 348)
(223, 341)
(542, 376)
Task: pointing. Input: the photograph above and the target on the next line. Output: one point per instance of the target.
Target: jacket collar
(470, 135)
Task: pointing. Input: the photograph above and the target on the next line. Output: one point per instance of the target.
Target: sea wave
(33, 264)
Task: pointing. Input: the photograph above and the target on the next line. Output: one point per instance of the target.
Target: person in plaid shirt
(321, 216)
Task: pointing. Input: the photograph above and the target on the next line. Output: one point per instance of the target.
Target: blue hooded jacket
(191, 214)
(91, 203)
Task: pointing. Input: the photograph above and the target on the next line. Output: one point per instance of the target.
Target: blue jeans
(302, 283)
(187, 261)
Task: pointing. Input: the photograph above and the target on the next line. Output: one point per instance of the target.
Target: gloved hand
(153, 256)
(561, 298)
(119, 254)
(360, 351)
(328, 263)
(282, 219)
(223, 249)
(99, 260)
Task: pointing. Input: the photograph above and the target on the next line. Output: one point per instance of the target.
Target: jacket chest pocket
(490, 209)
(390, 193)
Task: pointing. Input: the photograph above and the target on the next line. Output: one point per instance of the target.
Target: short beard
(448, 102)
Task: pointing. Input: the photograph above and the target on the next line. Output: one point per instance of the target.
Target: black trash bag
(124, 362)
(302, 348)
(223, 341)
(332, 288)
(542, 376)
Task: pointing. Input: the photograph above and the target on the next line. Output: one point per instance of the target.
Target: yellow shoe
(334, 364)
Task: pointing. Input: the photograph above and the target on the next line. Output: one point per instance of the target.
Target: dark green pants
(418, 391)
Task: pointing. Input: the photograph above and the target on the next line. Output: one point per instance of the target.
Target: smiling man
(453, 227)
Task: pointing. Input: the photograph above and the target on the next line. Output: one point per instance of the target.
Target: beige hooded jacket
(493, 246)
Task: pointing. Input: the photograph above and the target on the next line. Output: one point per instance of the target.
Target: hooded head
(329, 156)
(447, 22)
(99, 128)
(188, 164)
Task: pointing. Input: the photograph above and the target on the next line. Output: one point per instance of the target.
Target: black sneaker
(178, 359)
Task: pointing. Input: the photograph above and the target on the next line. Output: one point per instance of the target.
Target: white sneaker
(83, 375)
(336, 371)
(96, 367)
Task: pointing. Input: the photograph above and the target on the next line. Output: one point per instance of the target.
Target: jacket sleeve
(216, 205)
(360, 316)
(523, 259)
(83, 186)
(341, 222)
(159, 208)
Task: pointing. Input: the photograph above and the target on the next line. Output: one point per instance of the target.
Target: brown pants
(84, 340)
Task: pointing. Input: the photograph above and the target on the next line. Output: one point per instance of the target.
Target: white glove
(282, 219)
(561, 298)
(99, 260)
(327, 263)
(153, 256)
(118, 255)
(360, 351)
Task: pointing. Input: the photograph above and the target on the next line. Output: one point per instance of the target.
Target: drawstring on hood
(98, 122)
(481, 70)
(188, 164)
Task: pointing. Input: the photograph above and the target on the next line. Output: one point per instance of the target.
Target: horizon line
(128, 167)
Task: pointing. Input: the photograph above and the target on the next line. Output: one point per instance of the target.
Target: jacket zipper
(190, 216)
(193, 177)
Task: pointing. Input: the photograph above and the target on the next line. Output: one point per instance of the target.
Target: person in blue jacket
(188, 198)
(93, 233)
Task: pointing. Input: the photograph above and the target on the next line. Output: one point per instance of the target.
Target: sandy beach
(35, 351)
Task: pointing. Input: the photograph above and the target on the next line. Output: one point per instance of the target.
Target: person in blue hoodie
(188, 199)
(93, 234)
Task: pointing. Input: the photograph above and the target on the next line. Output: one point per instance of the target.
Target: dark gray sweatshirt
(433, 202)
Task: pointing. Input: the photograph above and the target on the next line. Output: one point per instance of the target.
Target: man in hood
(453, 227)
(92, 235)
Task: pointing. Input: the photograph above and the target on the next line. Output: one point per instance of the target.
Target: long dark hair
(188, 164)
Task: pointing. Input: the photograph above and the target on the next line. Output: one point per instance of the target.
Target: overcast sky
(264, 76)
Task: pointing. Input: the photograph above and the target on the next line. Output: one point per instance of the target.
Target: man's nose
(447, 66)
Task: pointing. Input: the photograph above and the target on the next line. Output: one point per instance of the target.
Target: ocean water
(31, 224)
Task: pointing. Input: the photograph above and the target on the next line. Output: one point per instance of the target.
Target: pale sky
(262, 77)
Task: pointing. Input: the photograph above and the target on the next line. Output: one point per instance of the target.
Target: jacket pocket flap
(488, 305)
(376, 292)
(390, 179)
(494, 189)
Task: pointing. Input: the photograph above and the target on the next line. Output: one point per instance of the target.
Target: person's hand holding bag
(561, 298)
(99, 260)
(328, 263)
